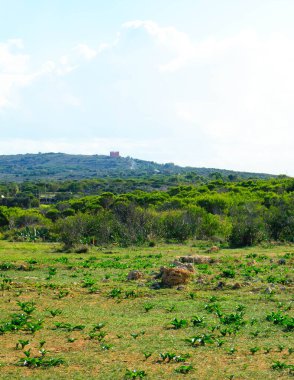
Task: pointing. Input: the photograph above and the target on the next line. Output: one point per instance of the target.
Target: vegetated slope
(67, 166)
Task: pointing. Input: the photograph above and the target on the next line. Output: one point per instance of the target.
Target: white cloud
(85, 51)
(14, 71)
(251, 87)
(176, 42)
(247, 112)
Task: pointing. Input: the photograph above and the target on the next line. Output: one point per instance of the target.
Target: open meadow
(77, 316)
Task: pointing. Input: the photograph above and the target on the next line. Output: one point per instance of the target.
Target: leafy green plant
(219, 342)
(88, 282)
(181, 358)
(233, 318)
(179, 323)
(281, 347)
(55, 312)
(228, 273)
(41, 343)
(34, 326)
(278, 318)
(171, 308)
(68, 327)
(62, 293)
(184, 369)
(201, 340)
(148, 307)
(279, 366)
(213, 308)
(232, 350)
(105, 346)
(131, 294)
(253, 350)
(5, 284)
(197, 320)
(166, 355)
(115, 293)
(6, 266)
(255, 333)
(267, 350)
(52, 271)
(147, 355)
(240, 307)
(253, 321)
(22, 343)
(97, 335)
(39, 361)
(98, 326)
(93, 289)
(27, 307)
(134, 374)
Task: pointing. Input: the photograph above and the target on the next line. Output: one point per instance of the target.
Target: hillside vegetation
(62, 166)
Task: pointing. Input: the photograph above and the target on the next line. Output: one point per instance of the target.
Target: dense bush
(241, 213)
(248, 224)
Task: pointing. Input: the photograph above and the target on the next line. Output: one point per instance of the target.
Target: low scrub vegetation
(79, 316)
(230, 213)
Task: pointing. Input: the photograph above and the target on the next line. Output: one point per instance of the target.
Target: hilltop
(61, 166)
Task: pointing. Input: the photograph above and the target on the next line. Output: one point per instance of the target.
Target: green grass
(102, 330)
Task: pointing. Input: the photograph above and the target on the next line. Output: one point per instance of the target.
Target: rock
(196, 259)
(180, 287)
(269, 290)
(174, 276)
(187, 266)
(220, 286)
(24, 267)
(155, 286)
(81, 249)
(213, 249)
(134, 275)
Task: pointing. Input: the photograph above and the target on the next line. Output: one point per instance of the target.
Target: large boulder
(174, 276)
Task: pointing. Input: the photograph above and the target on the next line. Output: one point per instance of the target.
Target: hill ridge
(62, 166)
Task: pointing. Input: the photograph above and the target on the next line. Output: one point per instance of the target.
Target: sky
(204, 83)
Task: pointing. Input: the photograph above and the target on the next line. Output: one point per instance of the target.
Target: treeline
(236, 213)
(28, 194)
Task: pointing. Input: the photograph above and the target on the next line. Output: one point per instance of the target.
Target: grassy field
(232, 321)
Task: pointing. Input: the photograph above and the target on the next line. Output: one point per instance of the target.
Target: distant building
(114, 154)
